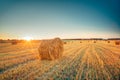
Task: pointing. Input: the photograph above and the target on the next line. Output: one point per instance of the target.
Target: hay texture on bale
(51, 49)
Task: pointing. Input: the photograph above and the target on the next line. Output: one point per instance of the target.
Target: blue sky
(59, 18)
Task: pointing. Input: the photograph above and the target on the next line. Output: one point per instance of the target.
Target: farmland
(81, 60)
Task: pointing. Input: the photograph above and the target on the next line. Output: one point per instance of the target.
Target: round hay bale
(108, 41)
(51, 49)
(14, 42)
(117, 42)
(94, 41)
(65, 42)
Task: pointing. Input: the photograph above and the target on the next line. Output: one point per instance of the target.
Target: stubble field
(82, 60)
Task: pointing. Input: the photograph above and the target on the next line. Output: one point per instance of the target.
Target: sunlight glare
(28, 38)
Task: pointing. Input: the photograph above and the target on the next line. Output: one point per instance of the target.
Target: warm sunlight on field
(81, 60)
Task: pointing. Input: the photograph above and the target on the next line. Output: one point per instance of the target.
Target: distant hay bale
(65, 42)
(51, 49)
(117, 42)
(94, 41)
(108, 41)
(14, 42)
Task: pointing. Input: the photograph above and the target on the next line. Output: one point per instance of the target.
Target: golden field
(81, 60)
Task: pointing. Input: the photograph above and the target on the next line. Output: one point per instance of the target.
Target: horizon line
(66, 38)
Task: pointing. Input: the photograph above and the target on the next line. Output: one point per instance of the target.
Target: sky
(42, 19)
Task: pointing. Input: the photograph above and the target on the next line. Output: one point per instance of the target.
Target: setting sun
(28, 38)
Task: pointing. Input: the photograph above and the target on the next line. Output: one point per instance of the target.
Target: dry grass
(80, 61)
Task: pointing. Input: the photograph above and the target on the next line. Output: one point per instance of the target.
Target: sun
(28, 38)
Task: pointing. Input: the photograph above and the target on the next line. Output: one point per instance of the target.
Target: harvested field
(80, 61)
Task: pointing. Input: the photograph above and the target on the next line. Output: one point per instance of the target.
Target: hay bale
(51, 49)
(94, 41)
(14, 42)
(117, 42)
(65, 42)
(108, 41)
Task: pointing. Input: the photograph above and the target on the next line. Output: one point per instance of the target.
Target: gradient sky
(59, 18)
